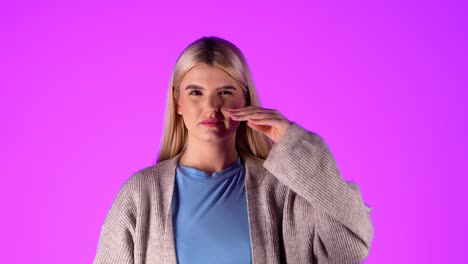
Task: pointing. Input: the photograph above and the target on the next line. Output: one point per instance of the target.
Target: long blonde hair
(220, 53)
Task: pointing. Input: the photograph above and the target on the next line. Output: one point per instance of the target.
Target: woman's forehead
(207, 76)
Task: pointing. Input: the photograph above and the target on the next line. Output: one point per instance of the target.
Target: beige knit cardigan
(300, 210)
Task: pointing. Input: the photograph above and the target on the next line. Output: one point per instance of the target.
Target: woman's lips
(212, 124)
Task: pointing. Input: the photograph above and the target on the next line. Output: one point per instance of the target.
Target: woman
(234, 182)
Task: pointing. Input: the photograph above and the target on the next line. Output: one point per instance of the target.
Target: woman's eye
(226, 92)
(195, 92)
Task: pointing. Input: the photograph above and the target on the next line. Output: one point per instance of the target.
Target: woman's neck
(209, 157)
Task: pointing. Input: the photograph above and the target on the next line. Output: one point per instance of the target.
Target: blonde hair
(220, 53)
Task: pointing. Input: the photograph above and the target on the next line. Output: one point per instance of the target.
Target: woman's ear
(176, 101)
(177, 106)
(179, 111)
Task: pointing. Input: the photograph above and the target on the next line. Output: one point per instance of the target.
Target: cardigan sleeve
(117, 235)
(343, 228)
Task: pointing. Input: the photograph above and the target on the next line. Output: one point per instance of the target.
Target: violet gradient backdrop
(83, 90)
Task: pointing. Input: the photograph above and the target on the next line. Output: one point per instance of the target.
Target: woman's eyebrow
(194, 86)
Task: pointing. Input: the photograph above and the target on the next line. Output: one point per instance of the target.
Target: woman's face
(205, 94)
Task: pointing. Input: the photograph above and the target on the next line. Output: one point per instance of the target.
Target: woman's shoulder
(150, 177)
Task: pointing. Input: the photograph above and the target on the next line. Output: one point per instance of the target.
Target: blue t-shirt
(209, 215)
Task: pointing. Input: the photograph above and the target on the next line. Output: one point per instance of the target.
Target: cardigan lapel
(166, 179)
(254, 175)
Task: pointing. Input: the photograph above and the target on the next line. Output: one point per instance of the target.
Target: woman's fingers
(268, 121)
(250, 109)
(264, 121)
(253, 112)
(255, 115)
(260, 128)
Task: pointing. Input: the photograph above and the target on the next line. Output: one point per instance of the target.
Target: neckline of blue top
(199, 175)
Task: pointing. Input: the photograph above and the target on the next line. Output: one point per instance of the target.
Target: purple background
(83, 90)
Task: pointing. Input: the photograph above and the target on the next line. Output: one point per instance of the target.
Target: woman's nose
(214, 103)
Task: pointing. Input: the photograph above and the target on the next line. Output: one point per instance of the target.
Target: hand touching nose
(267, 121)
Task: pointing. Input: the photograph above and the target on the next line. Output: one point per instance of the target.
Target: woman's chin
(217, 136)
